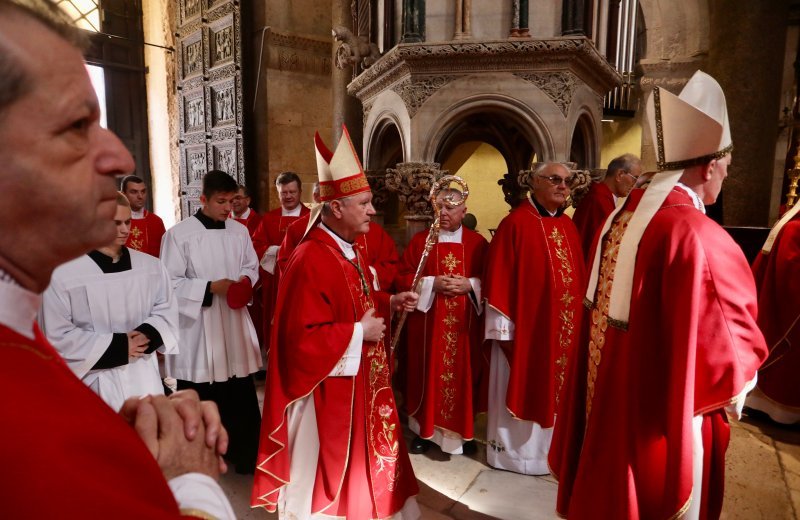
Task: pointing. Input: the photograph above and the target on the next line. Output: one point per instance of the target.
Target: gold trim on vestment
(662, 164)
(197, 513)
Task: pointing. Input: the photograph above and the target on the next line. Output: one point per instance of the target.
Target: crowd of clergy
(609, 348)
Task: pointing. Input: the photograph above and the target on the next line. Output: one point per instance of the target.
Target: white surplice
(83, 307)
(216, 342)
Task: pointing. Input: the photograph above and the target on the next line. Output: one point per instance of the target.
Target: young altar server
(108, 312)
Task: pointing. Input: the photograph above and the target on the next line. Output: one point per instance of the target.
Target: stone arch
(387, 113)
(498, 107)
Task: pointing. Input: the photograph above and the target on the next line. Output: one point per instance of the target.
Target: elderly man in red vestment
(376, 246)
(268, 238)
(777, 274)
(66, 453)
(621, 176)
(444, 333)
(242, 212)
(670, 343)
(534, 285)
(147, 228)
(331, 441)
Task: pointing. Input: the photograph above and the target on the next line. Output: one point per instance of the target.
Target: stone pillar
(754, 104)
(377, 182)
(519, 19)
(573, 18)
(412, 181)
(346, 109)
(413, 21)
(463, 20)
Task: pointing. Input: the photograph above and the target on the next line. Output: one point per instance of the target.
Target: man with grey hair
(88, 459)
(533, 286)
(621, 177)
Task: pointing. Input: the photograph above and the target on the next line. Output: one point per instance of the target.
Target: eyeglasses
(634, 177)
(555, 180)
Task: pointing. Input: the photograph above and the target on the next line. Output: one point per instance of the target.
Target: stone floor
(762, 481)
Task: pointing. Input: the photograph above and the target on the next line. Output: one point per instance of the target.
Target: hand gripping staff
(433, 235)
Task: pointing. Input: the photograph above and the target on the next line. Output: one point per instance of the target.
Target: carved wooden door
(209, 93)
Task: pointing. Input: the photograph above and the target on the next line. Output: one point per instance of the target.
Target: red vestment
(376, 246)
(591, 214)
(69, 453)
(443, 347)
(251, 222)
(362, 454)
(146, 233)
(535, 278)
(270, 232)
(623, 442)
(777, 277)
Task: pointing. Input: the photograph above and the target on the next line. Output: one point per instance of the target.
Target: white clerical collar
(245, 215)
(694, 196)
(18, 306)
(137, 214)
(451, 236)
(291, 212)
(344, 245)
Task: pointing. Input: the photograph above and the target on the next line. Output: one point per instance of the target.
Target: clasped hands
(451, 285)
(183, 433)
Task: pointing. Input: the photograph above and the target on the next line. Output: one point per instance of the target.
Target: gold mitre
(340, 173)
(691, 128)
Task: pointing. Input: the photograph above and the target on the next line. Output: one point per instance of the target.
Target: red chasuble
(362, 454)
(68, 455)
(146, 234)
(535, 277)
(778, 281)
(622, 446)
(251, 222)
(376, 246)
(270, 232)
(591, 214)
(443, 343)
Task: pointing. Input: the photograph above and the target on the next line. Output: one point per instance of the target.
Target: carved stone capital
(377, 182)
(412, 181)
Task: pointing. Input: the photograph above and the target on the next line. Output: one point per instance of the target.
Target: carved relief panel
(209, 93)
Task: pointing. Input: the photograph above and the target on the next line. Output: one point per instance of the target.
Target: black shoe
(470, 448)
(419, 445)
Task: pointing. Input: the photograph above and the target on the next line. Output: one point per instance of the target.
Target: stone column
(463, 20)
(377, 182)
(346, 109)
(753, 104)
(519, 19)
(573, 18)
(413, 21)
(412, 181)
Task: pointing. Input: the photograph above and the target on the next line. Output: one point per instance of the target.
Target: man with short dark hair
(533, 285)
(268, 238)
(213, 267)
(670, 344)
(242, 212)
(146, 228)
(70, 455)
(621, 177)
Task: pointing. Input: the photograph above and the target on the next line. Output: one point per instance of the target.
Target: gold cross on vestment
(450, 262)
